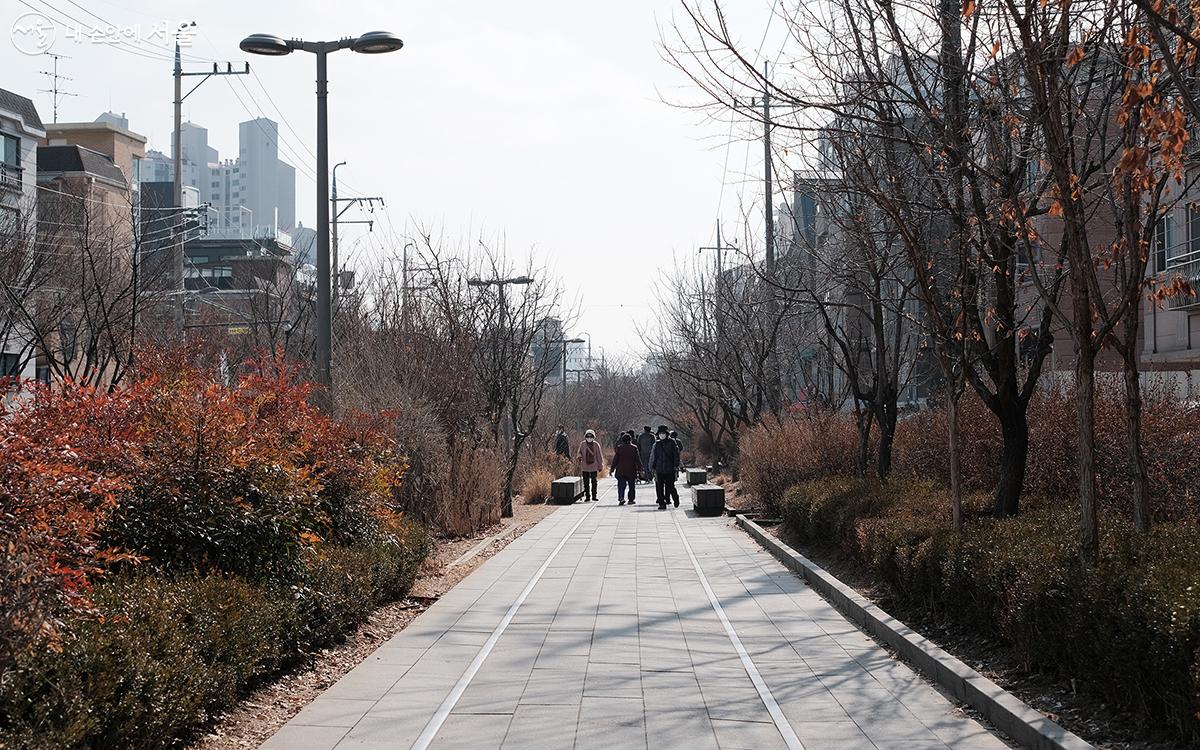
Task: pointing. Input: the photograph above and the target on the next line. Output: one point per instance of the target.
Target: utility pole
(769, 199)
(720, 249)
(336, 219)
(773, 375)
(55, 91)
(177, 156)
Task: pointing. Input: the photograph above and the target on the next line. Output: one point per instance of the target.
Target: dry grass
(535, 486)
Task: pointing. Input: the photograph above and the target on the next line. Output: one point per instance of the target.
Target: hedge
(1129, 629)
(159, 658)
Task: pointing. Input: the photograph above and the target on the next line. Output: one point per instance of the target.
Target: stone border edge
(1003, 709)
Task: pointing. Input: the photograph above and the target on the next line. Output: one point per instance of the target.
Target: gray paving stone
(612, 681)
(332, 712)
(301, 737)
(473, 731)
(547, 687)
(542, 728)
(680, 726)
(747, 735)
(606, 722)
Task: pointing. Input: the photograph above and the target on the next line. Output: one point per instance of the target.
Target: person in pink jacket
(589, 456)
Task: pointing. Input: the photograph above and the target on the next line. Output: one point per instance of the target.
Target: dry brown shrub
(535, 486)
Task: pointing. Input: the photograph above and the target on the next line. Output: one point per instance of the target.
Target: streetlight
(589, 343)
(370, 43)
(564, 342)
(500, 284)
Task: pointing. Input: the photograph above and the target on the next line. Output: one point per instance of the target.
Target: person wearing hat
(645, 444)
(589, 456)
(664, 463)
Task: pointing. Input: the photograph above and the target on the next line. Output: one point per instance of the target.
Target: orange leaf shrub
(182, 472)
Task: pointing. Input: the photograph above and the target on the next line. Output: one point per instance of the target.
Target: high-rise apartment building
(252, 195)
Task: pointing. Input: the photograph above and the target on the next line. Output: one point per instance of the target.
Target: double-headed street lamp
(564, 342)
(371, 43)
(500, 284)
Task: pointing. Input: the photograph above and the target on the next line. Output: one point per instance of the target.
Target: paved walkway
(630, 627)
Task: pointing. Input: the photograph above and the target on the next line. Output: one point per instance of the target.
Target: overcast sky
(541, 120)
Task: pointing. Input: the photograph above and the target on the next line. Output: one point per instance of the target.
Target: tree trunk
(1137, 458)
(1014, 428)
(1085, 418)
(863, 419)
(955, 473)
(887, 436)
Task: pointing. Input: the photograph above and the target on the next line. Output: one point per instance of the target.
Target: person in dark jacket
(664, 462)
(678, 443)
(562, 445)
(625, 465)
(645, 444)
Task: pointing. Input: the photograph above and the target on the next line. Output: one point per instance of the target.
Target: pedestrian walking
(626, 465)
(678, 443)
(562, 445)
(664, 462)
(645, 444)
(590, 458)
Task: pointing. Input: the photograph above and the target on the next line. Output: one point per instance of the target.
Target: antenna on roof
(55, 91)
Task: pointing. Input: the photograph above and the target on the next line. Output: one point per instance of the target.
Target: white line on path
(781, 722)
(439, 717)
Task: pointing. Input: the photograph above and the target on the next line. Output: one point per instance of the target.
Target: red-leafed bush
(182, 472)
(55, 499)
(166, 545)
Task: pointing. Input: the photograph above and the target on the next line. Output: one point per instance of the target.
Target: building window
(1164, 238)
(10, 365)
(1193, 234)
(10, 160)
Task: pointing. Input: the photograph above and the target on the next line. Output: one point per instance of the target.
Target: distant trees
(459, 355)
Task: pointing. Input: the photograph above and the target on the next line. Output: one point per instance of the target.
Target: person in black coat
(645, 444)
(562, 446)
(664, 462)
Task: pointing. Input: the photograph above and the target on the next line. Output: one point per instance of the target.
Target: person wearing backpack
(590, 458)
(664, 463)
(625, 465)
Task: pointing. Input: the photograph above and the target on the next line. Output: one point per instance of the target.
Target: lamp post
(564, 343)
(500, 284)
(370, 43)
(589, 343)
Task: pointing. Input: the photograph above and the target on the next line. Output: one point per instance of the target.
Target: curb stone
(1003, 709)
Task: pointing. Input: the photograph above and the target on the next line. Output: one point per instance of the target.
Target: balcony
(1187, 266)
(10, 176)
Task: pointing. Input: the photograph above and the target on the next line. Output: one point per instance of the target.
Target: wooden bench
(696, 476)
(566, 490)
(708, 499)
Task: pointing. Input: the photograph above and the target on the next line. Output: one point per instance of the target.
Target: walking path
(629, 627)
